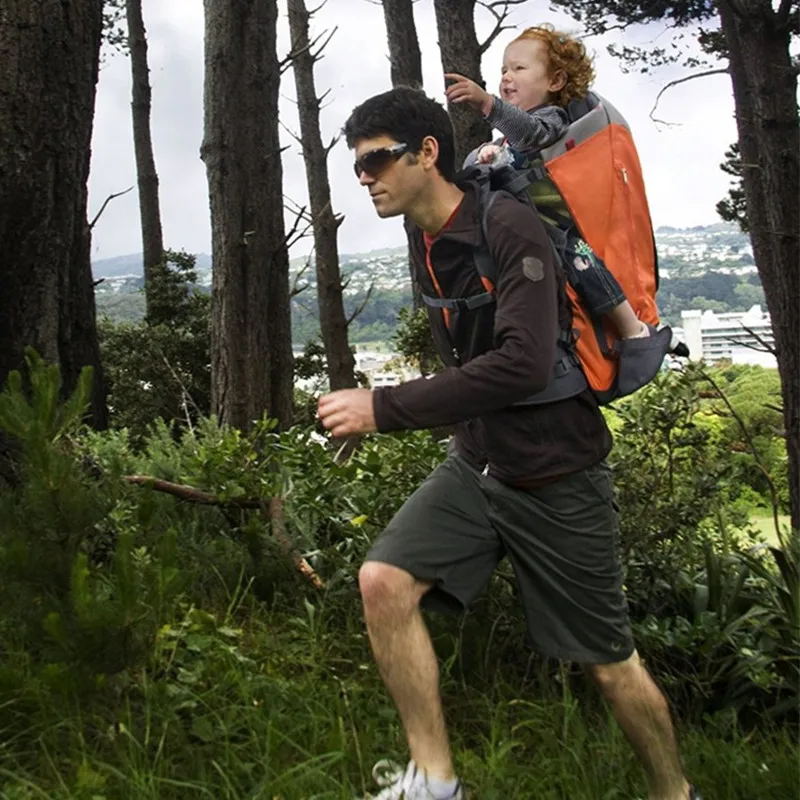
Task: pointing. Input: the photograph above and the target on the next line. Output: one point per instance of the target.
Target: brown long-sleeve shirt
(497, 355)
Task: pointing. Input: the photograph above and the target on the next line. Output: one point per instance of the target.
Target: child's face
(526, 80)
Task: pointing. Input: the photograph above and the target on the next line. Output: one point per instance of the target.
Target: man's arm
(527, 131)
(525, 333)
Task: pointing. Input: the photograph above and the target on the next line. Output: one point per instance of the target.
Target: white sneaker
(408, 784)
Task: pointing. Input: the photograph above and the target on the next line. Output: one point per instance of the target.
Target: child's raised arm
(528, 130)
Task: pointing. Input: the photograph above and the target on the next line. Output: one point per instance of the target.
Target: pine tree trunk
(333, 323)
(251, 349)
(146, 175)
(765, 95)
(404, 54)
(406, 70)
(49, 51)
(455, 23)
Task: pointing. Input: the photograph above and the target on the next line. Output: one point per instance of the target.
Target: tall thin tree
(146, 174)
(462, 53)
(405, 58)
(405, 61)
(50, 51)
(251, 349)
(332, 319)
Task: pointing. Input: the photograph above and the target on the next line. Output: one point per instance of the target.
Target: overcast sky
(680, 161)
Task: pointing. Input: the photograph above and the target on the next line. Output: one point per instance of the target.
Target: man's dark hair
(407, 115)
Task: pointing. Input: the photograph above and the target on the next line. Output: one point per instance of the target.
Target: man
(525, 479)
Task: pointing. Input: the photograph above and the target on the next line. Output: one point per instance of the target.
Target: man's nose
(365, 179)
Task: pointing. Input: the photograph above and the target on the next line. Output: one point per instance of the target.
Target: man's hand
(463, 90)
(347, 412)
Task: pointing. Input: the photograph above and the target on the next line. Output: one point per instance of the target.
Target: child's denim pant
(590, 278)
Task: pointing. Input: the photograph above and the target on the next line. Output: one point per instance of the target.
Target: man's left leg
(642, 712)
(563, 541)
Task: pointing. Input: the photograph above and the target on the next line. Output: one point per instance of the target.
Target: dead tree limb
(108, 199)
(676, 82)
(272, 508)
(500, 17)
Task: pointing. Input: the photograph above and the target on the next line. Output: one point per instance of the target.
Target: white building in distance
(733, 336)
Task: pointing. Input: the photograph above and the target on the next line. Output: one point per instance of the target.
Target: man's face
(392, 175)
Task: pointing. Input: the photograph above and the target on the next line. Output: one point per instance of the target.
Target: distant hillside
(701, 267)
(131, 266)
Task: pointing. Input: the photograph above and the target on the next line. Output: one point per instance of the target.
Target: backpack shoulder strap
(484, 262)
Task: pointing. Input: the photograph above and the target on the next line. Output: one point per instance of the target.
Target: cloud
(680, 163)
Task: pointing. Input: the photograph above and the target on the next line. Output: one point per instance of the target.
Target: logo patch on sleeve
(533, 268)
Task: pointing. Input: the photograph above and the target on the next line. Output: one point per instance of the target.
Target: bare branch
(190, 494)
(318, 55)
(334, 141)
(296, 287)
(294, 235)
(279, 532)
(500, 17)
(763, 345)
(295, 51)
(291, 133)
(272, 507)
(107, 201)
(362, 305)
(719, 71)
(186, 396)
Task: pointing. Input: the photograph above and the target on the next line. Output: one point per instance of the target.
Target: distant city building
(382, 368)
(733, 336)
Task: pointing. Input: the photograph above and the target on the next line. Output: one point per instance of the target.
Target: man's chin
(385, 211)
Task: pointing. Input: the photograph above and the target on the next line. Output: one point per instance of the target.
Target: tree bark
(332, 319)
(146, 175)
(49, 50)
(251, 349)
(405, 58)
(461, 52)
(765, 96)
(405, 62)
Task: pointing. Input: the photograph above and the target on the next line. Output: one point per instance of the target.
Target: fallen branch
(273, 508)
(279, 532)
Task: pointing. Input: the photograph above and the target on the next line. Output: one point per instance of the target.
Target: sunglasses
(376, 161)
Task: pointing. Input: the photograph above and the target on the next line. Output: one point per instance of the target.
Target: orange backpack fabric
(613, 216)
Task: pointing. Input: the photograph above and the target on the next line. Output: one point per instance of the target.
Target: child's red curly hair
(565, 54)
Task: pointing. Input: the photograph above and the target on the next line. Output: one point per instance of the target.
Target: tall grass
(287, 704)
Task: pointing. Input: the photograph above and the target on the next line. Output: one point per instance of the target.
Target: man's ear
(429, 152)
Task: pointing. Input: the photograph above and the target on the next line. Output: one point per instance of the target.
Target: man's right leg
(407, 661)
(441, 545)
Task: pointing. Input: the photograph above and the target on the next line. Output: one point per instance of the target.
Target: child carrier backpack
(593, 174)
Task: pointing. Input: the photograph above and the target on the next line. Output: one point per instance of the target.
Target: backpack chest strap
(459, 303)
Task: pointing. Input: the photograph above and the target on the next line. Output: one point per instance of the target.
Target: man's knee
(616, 678)
(386, 589)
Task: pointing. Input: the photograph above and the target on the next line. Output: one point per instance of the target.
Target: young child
(543, 70)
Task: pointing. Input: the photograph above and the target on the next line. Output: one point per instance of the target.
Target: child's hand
(488, 153)
(463, 90)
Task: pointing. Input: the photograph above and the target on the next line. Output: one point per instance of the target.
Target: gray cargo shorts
(562, 540)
